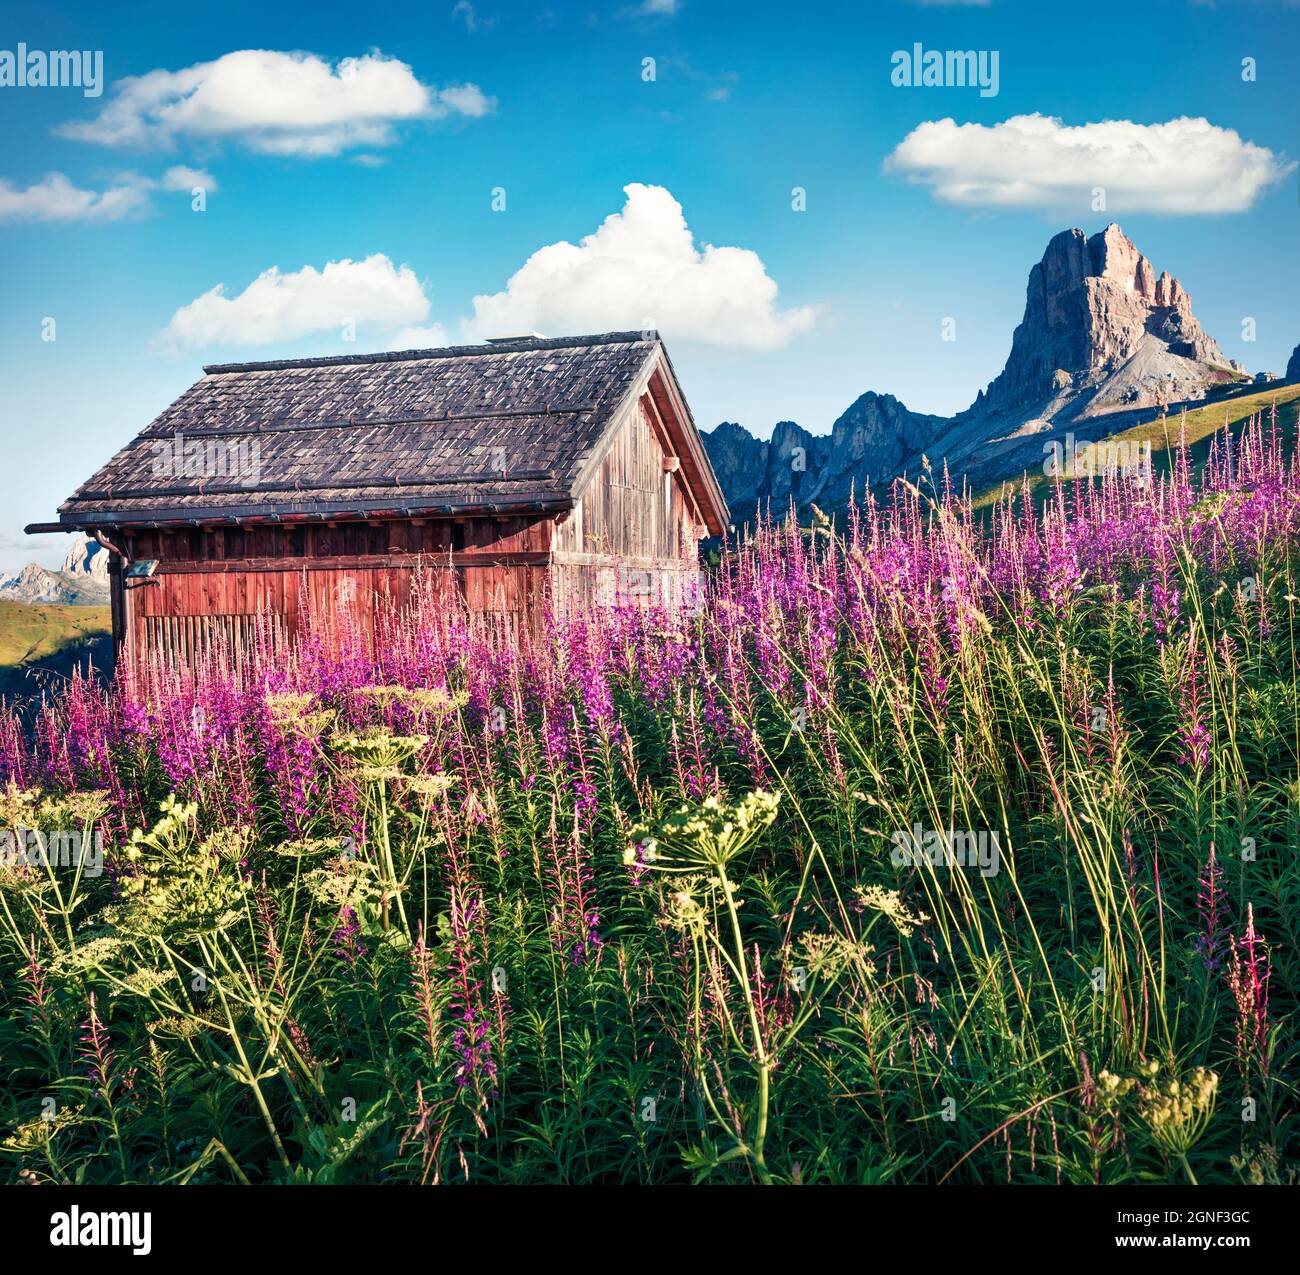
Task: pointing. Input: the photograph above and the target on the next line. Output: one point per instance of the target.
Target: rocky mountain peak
(1103, 330)
(1116, 259)
(81, 581)
(1102, 333)
(87, 560)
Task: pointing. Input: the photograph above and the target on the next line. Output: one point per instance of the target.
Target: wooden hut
(523, 471)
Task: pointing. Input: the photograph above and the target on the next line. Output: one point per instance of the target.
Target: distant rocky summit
(1101, 335)
(872, 440)
(81, 581)
(1293, 365)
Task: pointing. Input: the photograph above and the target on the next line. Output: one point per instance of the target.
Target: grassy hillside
(49, 639)
(1163, 432)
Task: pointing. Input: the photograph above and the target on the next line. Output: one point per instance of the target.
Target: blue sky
(552, 104)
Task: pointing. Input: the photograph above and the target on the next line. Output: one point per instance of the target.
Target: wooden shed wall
(633, 509)
(216, 581)
(631, 538)
(633, 535)
(304, 545)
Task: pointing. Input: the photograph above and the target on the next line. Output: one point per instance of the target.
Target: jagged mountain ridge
(82, 580)
(1102, 335)
(871, 441)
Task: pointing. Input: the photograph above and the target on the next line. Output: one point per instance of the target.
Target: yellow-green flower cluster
(1176, 1111)
(28, 808)
(706, 835)
(344, 883)
(178, 888)
(298, 711)
(889, 903)
(174, 1027)
(306, 847)
(379, 753)
(35, 1135)
(145, 982)
(92, 953)
(431, 701)
(828, 955)
(428, 786)
(687, 905)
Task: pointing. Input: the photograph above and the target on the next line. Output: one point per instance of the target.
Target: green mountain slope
(41, 643)
(1163, 433)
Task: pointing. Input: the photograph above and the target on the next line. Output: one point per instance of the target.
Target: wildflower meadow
(925, 845)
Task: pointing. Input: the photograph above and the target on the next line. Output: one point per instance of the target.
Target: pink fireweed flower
(1249, 975)
(1193, 732)
(1166, 597)
(348, 945)
(471, 1040)
(1212, 908)
(575, 916)
(422, 984)
(38, 994)
(639, 862)
(96, 1051)
(473, 1046)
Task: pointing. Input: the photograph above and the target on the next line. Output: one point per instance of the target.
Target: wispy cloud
(717, 85)
(646, 9)
(15, 540)
(474, 21)
(56, 199)
(428, 337)
(183, 178)
(276, 103)
(1184, 166)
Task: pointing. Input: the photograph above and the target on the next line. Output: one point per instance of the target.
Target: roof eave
(717, 502)
(352, 511)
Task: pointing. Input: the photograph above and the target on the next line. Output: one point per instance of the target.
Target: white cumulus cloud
(55, 198)
(1186, 165)
(275, 103)
(280, 306)
(642, 269)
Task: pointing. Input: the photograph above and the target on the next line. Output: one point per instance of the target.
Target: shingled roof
(503, 427)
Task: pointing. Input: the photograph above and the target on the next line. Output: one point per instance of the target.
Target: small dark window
(457, 536)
